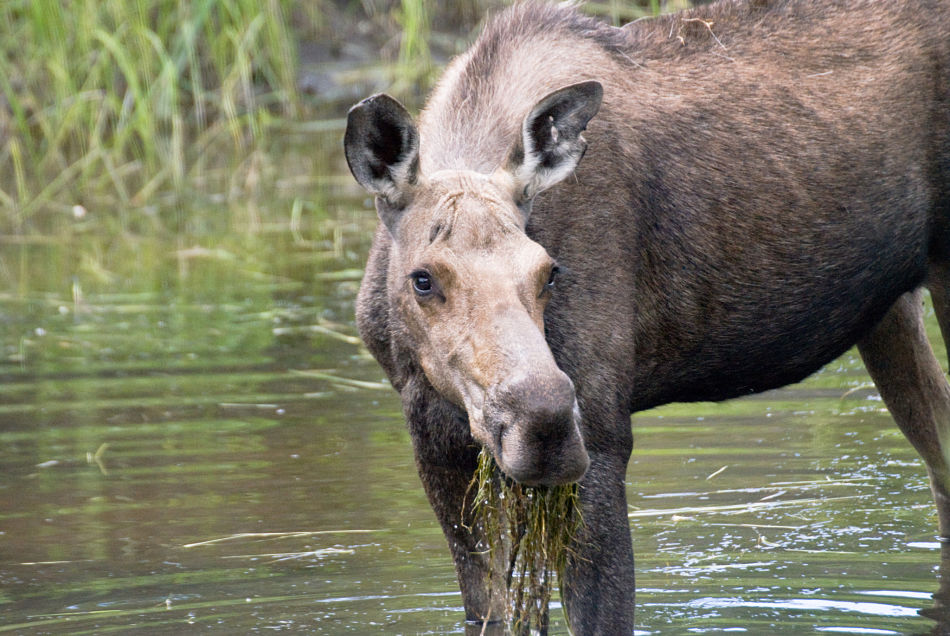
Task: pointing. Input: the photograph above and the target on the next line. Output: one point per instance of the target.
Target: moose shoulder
(765, 185)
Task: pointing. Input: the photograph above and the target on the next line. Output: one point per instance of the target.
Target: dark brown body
(766, 184)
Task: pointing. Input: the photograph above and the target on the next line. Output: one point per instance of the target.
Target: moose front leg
(446, 458)
(599, 590)
(483, 587)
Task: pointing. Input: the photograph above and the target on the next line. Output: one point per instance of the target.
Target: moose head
(468, 289)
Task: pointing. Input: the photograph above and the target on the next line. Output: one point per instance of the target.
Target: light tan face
(471, 289)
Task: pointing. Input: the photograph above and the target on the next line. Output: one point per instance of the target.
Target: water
(194, 441)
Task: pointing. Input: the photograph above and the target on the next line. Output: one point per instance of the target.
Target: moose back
(765, 185)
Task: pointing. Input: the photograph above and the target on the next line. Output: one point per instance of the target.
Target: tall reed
(106, 102)
(415, 59)
(129, 106)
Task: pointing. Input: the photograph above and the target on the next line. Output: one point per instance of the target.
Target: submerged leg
(446, 457)
(599, 590)
(940, 612)
(484, 604)
(901, 362)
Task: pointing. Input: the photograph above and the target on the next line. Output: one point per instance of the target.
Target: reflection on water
(207, 445)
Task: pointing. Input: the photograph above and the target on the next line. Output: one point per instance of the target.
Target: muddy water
(193, 440)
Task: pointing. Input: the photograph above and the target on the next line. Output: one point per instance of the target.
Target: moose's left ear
(551, 144)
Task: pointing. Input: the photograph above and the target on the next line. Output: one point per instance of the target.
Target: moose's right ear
(551, 143)
(382, 149)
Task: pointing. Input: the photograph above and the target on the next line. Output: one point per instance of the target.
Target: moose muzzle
(536, 428)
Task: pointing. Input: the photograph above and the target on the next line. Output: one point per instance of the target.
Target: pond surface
(197, 442)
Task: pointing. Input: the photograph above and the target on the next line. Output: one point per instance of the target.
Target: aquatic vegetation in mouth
(536, 526)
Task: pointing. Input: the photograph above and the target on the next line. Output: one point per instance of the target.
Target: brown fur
(765, 185)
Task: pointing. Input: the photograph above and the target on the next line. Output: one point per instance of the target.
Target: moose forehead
(461, 210)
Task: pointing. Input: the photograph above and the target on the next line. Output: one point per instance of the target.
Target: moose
(764, 184)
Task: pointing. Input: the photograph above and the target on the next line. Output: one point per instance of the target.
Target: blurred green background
(131, 118)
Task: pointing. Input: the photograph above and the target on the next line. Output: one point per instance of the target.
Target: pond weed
(536, 526)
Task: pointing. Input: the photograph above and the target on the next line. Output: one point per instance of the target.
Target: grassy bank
(136, 110)
(109, 104)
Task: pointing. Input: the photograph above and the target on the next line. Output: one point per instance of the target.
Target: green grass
(134, 110)
(109, 103)
(415, 59)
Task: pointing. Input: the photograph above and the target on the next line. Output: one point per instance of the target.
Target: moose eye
(421, 282)
(549, 286)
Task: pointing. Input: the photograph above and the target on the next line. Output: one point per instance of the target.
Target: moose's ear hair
(551, 144)
(382, 149)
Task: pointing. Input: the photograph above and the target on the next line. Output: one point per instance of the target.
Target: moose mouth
(534, 432)
(542, 457)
